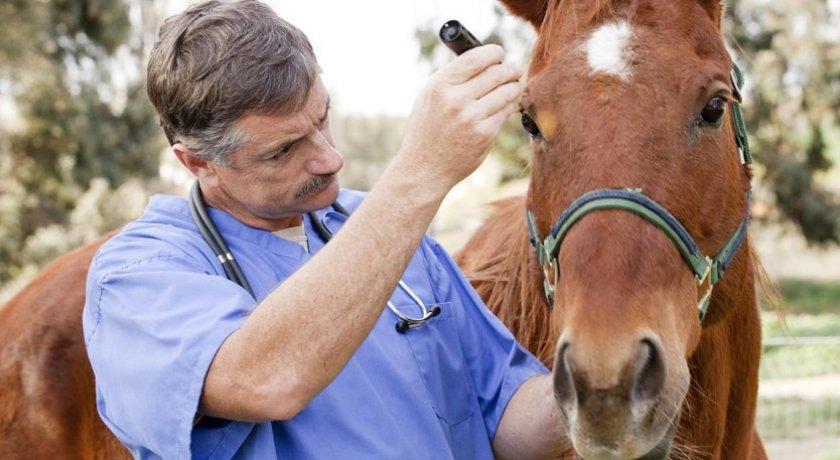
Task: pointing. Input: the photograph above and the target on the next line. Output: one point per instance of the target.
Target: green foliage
(813, 297)
(78, 125)
(791, 54)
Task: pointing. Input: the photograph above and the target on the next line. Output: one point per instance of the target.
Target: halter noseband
(707, 270)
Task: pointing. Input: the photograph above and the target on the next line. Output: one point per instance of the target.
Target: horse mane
(499, 262)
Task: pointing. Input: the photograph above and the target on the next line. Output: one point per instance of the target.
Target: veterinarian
(317, 363)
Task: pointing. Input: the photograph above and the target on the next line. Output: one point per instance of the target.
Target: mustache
(315, 184)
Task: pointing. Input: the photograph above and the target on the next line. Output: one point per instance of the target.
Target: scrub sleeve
(152, 328)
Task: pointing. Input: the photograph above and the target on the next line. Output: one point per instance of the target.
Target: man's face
(287, 166)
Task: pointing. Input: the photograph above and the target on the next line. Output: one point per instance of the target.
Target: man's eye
(281, 154)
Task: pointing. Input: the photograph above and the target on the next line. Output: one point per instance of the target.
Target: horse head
(632, 107)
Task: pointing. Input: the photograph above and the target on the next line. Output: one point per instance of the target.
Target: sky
(366, 48)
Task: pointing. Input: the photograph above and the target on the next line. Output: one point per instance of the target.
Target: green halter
(707, 270)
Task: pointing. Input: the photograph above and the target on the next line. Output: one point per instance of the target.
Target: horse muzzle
(620, 403)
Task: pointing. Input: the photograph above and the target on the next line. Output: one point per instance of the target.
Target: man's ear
(715, 10)
(532, 11)
(199, 167)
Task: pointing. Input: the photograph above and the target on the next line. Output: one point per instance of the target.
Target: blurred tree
(367, 143)
(790, 50)
(71, 72)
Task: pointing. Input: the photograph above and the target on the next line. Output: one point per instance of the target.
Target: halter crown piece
(707, 270)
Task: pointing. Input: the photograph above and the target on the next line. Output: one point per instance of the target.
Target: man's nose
(327, 160)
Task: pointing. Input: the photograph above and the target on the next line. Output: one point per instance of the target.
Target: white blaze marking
(607, 49)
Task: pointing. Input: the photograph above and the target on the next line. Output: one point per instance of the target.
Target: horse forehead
(608, 49)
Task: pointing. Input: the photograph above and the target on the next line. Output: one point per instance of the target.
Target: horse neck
(719, 410)
(510, 280)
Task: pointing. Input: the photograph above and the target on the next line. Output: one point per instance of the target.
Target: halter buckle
(704, 289)
(550, 271)
(551, 274)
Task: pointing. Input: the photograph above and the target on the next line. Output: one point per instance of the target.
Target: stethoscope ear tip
(434, 312)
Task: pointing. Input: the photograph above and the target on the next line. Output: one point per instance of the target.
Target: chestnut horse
(47, 399)
(632, 94)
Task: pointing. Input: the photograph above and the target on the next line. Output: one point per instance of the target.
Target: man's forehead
(270, 128)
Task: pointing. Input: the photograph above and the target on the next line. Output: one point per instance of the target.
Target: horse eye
(714, 110)
(530, 126)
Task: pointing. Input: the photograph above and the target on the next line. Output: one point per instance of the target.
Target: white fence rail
(799, 389)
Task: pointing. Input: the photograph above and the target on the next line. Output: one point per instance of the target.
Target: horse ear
(532, 11)
(715, 9)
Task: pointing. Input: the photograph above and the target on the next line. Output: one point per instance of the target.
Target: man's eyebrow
(288, 143)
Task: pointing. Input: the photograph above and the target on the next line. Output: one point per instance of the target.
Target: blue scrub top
(159, 307)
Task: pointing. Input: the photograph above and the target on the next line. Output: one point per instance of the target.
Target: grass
(787, 362)
(802, 325)
(809, 297)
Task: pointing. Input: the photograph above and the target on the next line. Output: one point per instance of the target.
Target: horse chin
(663, 449)
(586, 449)
(660, 451)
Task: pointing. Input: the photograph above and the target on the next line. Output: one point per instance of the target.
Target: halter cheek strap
(739, 126)
(707, 270)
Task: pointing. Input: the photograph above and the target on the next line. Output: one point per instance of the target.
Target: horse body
(47, 402)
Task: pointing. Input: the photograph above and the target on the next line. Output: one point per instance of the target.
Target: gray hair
(220, 60)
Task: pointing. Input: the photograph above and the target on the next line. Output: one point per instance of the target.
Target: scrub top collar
(231, 228)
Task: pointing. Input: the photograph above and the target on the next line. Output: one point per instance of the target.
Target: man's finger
(471, 63)
(494, 122)
(498, 99)
(491, 78)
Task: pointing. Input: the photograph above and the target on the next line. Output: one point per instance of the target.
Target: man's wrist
(416, 182)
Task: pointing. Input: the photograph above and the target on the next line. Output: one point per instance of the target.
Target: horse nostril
(564, 390)
(650, 377)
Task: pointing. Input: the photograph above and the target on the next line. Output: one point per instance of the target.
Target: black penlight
(457, 38)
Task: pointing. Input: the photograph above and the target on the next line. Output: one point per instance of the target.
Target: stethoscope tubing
(406, 322)
(234, 272)
(214, 239)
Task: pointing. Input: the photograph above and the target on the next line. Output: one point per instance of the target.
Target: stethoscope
(233, 271)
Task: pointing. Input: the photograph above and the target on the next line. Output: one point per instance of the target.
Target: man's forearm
(297, 340)
(531, 426)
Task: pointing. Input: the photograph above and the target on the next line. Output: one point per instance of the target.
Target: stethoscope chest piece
(403, 325)
(407, 322)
